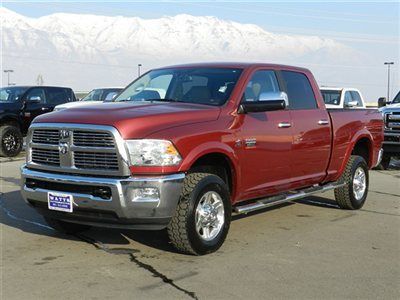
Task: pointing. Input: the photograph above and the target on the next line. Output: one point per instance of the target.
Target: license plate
(60, 202)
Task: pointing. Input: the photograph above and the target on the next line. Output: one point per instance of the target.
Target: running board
(283, 198)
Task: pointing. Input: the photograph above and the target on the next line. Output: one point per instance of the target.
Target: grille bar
(46, 136)
(46, 156)
(92, 139)
(95, 160)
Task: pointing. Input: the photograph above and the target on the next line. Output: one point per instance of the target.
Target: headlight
(152, 153)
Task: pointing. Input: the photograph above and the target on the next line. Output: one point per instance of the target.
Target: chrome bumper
(380, 156)
(121, 209)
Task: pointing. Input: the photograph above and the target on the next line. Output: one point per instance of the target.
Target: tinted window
(260, 82)
(94, 95)
(58, 96)
(397, 98)
(37, 95)
(11, 94)
(331, 96)
(300, 93)
(356, 97)
(347, 98)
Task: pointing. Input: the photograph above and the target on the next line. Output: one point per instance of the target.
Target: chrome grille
(392, 121)
(46, 156)
(77, 148)
(46, 136)
(92, 139)
(96, 160)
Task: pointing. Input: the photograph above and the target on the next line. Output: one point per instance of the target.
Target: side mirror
(381, 102)
(267, 102)
(34, 99)
(352, 104)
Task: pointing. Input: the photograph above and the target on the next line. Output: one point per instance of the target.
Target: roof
(32, 86)
(238, 65)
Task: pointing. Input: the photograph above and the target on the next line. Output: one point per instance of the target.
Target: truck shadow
(16, 213)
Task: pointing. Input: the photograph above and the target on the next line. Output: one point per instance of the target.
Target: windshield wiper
(161, 99)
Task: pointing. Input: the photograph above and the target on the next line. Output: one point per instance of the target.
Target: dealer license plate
(60, 202)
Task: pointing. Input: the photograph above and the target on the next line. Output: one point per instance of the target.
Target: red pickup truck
(184, 147)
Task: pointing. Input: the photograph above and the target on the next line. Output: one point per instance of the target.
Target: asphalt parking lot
(306, 250)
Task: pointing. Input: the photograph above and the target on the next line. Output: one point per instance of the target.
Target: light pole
(138, 69)
(8, 76)
(388, 63)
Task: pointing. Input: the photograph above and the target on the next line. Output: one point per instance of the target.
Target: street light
(388, 63)
(8, 76)
(138, 69)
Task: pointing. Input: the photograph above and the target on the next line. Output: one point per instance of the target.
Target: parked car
(391, 117)
(222, 138)
(19, 105)
(94, 97)
(335, 97)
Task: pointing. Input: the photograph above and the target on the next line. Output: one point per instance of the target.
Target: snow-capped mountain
(86, 51)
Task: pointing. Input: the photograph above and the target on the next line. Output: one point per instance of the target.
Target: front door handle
(284, 125)
(323, 122)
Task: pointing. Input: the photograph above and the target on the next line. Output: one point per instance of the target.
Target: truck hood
(134, 120)
(76, 104)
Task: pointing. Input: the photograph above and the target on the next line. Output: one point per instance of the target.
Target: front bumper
(119, 208)
(391, 144)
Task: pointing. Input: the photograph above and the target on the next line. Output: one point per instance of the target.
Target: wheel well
(363, 149)
(9, 121)
(217, 164)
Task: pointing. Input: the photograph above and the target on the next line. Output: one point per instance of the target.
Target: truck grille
(392, 121)
(95, 160)
(46, 156)
(46, 136)
(92, 139)
(76, 148)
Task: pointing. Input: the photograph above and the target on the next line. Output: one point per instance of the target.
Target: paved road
(307, 250)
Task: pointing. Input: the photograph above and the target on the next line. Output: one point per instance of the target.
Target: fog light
(145, 195)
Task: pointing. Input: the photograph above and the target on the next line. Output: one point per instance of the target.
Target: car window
(397, 98)
(347, 98)
(94, 95)
(11, 94)
(108, 96)
(356, 97)
(37, 95)
(331, 96)
(58, 96)
(299, 90)
(261, 82)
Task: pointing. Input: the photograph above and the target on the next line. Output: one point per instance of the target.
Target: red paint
(283, 158)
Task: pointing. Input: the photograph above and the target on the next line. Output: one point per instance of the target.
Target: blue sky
(370, 27)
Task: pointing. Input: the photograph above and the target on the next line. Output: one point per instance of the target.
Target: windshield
(397, 98)
(331, 96)
(94, 95)
(211, 86)
(11, 94)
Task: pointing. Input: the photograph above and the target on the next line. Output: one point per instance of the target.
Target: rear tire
(203, 215)
(10, 141)
(354, 193)
(66, 227)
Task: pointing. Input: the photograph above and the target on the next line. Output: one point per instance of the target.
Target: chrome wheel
(359, 183)
(210, 216)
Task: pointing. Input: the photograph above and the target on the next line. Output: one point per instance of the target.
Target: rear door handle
(284, 125)
(323, 122)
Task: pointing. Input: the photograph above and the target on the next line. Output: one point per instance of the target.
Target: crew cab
(19, 105)
(184, 147)
(391, 118)
(338, 97)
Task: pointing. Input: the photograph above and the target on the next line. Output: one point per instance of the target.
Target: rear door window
(58, 96)
(299, 90)
(36, 95)
(356, 97)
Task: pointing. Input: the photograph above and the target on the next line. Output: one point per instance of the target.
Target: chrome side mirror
(274, 96)
(352, 104)
(35, 99)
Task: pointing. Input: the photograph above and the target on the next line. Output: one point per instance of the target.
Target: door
(264, 142)
(34, 105)
(311, 131)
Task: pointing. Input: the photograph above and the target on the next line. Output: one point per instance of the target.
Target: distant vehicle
(391, 117)
(94, 97)
(335, 97)
(19, 105)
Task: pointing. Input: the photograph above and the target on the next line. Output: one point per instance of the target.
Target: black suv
(19, 105)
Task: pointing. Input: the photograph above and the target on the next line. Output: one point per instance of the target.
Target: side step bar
(287, 197)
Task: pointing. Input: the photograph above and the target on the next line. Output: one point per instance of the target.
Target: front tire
(354, 193)
(203, 215)
(66, 227)
(10, 141)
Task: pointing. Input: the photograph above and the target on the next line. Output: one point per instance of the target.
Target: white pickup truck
(336, 97)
